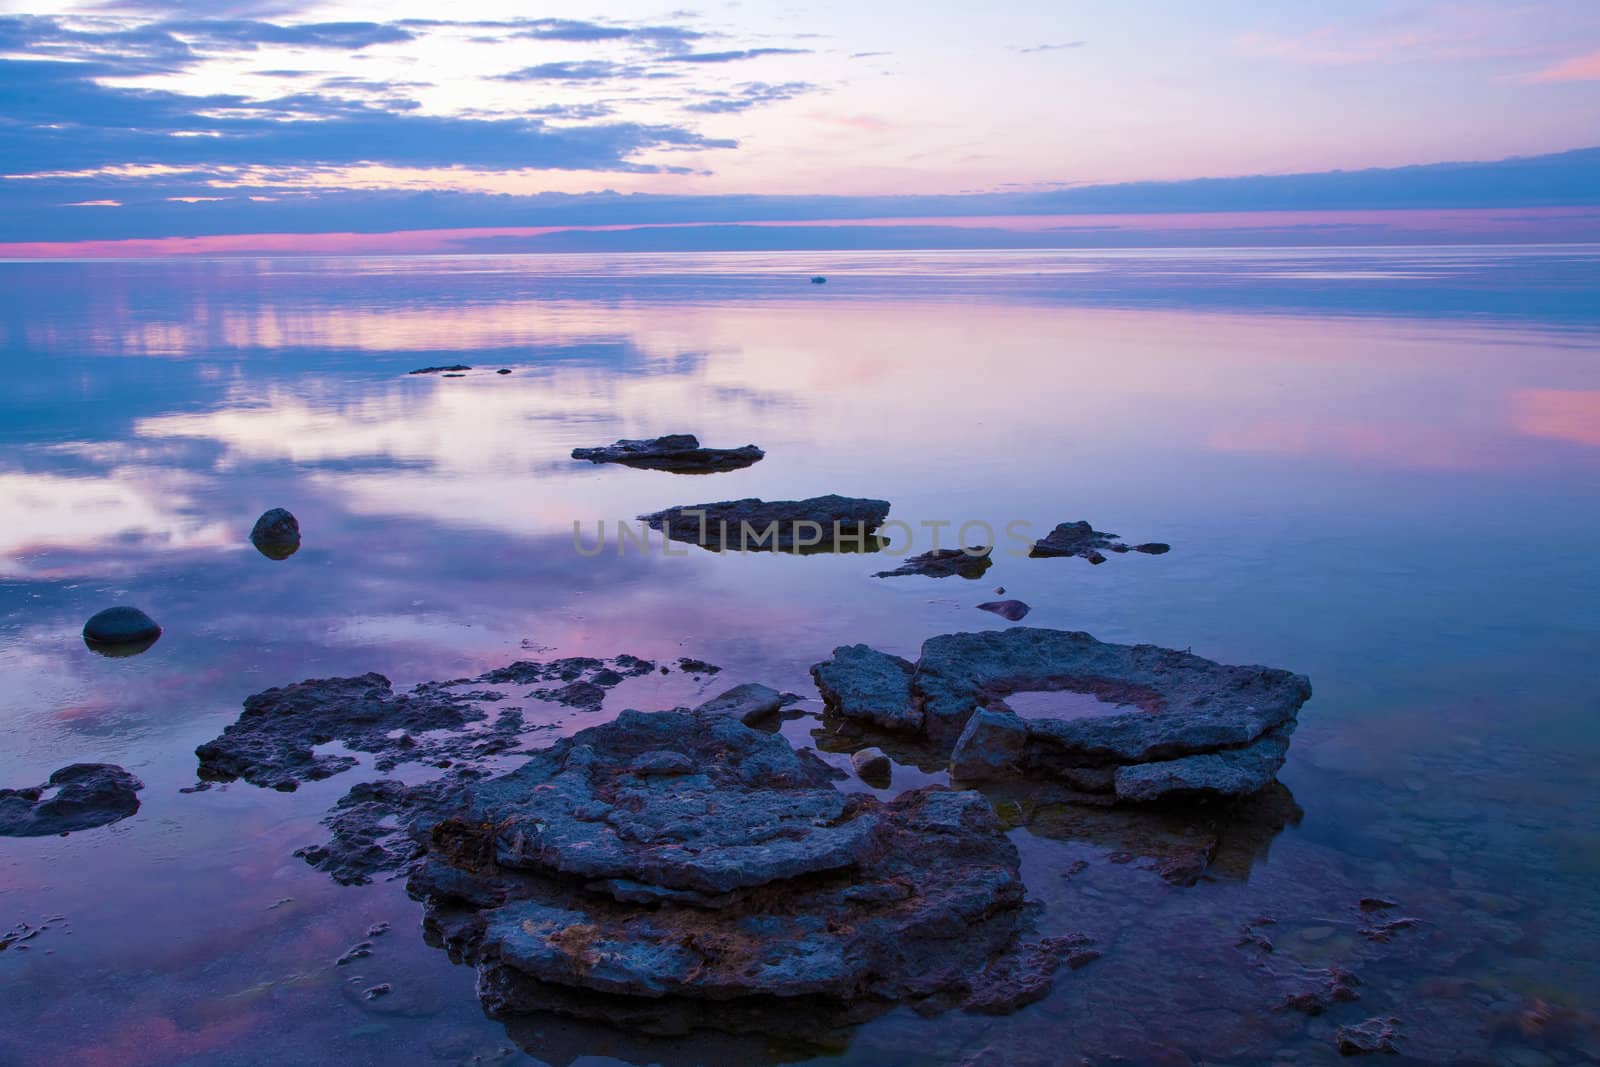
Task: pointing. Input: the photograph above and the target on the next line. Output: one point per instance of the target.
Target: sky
(176, 118)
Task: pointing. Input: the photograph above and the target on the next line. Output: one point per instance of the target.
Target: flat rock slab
(1191, 726)
(968, 562)
(1081, 539)
(1232, 772)
(605, 810)
(679, 453)
(1185, 704)
(818, 524)
(80, 797)
(749, 876)
(862, 683)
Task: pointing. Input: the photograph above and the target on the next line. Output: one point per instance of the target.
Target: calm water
(1379, 468)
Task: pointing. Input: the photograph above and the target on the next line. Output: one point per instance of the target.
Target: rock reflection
(1180, 842)
(687, 1034)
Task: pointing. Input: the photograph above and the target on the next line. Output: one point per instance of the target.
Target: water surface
(1376, 467)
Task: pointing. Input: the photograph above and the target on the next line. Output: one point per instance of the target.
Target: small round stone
(276, 527)
(276, 534)
(121, 629)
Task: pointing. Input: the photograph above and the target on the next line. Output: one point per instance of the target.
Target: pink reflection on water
(1564, 414)
(1527, 225)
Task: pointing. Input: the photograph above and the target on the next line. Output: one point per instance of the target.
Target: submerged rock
(82, 796)
(1081, 539)
(120, 631)
(968, 562)
(454, 368)
(1010, 610)
(679, 453)
(862, 683)
(1366, 1038)
(596, 880)
(276, 534)
(818, 524)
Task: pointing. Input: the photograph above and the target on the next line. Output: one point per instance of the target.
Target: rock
(1320, 990)
(85, 795)
(749, 703)
(120, 631)
(584, 696)
(968, 562)
(1366, 1038)
(1081, 539)
(358, 951)
(817, 279)
(503, 370)
(818, 524)
(992, 746)
(368, 828)
(276, 534)
(1183, 706)
(273, 742)
(454, 368)
(697, 666)
(663, 763)
(861, 683)
(872, 767)
(999, 590)
(1233, 772)
(680, 453)
(1010, 610)
(750, 881)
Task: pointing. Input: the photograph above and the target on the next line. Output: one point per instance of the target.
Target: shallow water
(1375, 467)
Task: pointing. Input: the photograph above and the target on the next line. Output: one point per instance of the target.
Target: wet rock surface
(818, 524)
(647, 870)
(678, 453)
(79, 797)
(858, 682)
(1084, 541)
(970, 562)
